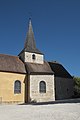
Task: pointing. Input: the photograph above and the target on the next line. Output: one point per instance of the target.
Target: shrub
(76, 87)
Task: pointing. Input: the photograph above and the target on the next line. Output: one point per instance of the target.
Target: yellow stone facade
(7, 87)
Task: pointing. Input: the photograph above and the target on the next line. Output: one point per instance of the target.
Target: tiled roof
(59, 70)
(11, 64)
(43, 69)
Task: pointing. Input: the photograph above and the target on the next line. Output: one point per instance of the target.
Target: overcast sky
(56, 25)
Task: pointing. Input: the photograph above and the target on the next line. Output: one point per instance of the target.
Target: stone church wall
(38, 58)
(63, 88)
(35, 95)
(7, 88)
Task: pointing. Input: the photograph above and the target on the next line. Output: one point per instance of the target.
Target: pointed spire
(30, 42)
(30, 45)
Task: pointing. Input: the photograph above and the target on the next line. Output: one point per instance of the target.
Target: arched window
(33, 57)
(17, 87)
(42, 87)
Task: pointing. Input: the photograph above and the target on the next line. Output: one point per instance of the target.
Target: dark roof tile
(33, 68)
(59, 70)
(11, 64)
(30, 45)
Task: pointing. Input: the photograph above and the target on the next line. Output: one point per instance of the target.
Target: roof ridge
(9, 55)
(54, 62)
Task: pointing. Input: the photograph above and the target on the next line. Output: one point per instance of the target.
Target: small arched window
(33, 57)
(17, 87)
(42, 87)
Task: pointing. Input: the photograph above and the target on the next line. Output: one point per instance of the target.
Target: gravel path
(65, 111)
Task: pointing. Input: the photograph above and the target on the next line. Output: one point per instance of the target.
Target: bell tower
(30, 53)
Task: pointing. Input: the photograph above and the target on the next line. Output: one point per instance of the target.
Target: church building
(28, 77)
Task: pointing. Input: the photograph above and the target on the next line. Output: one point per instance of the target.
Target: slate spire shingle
(30, 42)
(30, 45)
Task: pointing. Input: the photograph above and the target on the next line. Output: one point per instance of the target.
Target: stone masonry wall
(35, 95)
(7, 88)
(38, 58)
(64, 88)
